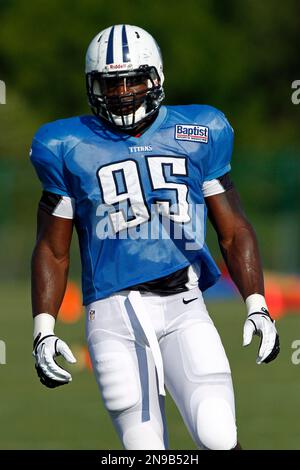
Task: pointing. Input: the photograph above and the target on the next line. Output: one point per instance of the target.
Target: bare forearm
(242, 259)
(48, 280)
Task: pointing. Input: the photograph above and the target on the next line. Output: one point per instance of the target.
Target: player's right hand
(45, 349)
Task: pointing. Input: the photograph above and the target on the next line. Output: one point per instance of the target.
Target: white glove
(46, 347)
(262, 325)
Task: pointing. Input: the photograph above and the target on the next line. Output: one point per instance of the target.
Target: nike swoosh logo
(189, 300)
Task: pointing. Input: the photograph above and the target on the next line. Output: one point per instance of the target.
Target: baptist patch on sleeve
(191, 132)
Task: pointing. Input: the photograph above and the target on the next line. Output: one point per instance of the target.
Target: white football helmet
(131, 54)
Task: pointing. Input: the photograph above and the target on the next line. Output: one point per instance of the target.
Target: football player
(137, 180)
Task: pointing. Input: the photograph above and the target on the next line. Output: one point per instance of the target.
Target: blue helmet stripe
(110, 47)
(125, 45)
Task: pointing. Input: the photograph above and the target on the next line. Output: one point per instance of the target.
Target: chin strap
(133, 118)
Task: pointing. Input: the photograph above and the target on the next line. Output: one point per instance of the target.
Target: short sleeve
(221, 145)
(49, 168)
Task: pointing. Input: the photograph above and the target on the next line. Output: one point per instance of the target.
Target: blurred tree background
(238, 55)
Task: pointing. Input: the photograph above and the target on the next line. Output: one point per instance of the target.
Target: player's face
(129, 92)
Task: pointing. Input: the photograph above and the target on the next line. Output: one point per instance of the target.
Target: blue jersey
(139, 208)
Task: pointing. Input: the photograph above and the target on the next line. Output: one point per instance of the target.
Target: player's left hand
(45, 349)
(262, 325)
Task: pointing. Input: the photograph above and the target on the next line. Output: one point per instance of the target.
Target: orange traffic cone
(71, 308)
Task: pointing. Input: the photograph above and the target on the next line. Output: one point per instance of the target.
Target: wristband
(256, 303)
(43, 323)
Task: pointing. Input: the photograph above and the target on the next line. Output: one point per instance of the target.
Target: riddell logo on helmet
(119, 66)
(191, 132)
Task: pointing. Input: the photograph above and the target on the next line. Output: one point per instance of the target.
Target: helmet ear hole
(96, 87)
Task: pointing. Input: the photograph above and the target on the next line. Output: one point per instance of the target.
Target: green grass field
(72, 417)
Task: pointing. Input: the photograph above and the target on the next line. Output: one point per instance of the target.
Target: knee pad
(143, 436)
(117, 375)
(216, 426)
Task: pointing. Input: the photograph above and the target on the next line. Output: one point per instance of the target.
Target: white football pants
(138, 343)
